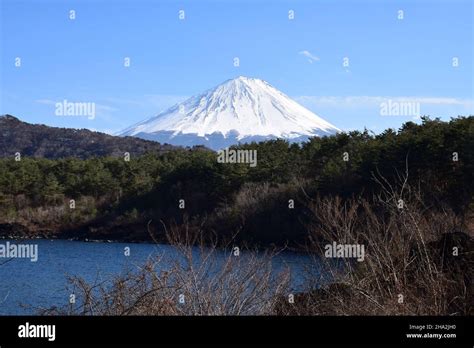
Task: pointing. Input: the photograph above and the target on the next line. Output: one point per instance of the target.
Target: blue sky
(82, 60)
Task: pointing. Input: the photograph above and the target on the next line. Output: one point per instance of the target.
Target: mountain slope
(50, 142)
(239, 110)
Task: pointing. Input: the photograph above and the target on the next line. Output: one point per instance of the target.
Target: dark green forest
(128, 200)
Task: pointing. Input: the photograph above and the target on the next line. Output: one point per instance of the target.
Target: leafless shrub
(403, 272)
(201, 280)
(408, 268)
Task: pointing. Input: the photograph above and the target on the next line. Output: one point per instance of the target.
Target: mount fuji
(240, 110)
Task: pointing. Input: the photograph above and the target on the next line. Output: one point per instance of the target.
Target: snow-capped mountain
(239, 110)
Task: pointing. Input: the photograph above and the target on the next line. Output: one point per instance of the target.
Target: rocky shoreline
(18, 231)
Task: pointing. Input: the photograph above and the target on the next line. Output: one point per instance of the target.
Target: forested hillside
(118, 199)
(50, 142)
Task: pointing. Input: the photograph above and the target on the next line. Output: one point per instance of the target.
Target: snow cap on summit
(243, 106)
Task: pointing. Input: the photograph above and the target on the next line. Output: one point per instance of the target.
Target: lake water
(26, 286)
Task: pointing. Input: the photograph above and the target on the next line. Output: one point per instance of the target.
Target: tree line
(437, 156)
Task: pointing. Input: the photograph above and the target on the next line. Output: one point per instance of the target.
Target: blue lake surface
(26, 286)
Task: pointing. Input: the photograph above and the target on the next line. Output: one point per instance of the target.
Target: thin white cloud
(311, 57)
(159, 102)
(45, 101)
(99, 107)
(163, 100)
(101, 110)
(122, 101)
(104, 108)
(375, 101)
